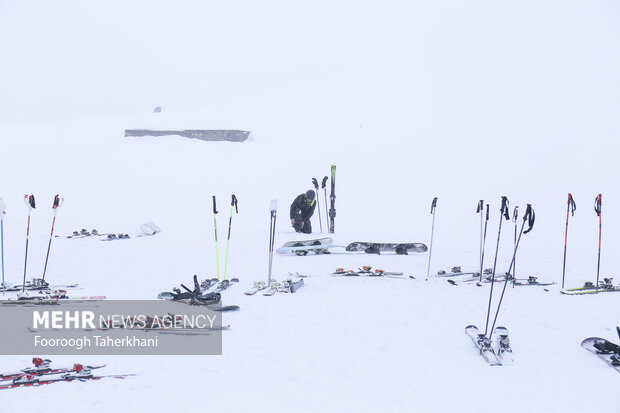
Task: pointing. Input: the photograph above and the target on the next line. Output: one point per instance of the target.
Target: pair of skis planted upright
(500, 354)
(483, 340)
(330, 214)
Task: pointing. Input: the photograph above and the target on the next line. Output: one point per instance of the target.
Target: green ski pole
(217, 254)
(233, 204)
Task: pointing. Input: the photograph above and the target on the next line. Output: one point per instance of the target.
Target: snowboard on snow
(605, 350)
(379, 247)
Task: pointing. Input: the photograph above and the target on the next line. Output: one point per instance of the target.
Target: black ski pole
(515, 217)
(503, 214)
(57, 202)
(217, 254)
(530, 217)
(598, 206)
(272, 236)
(430, 250)
(316, 187)
(570, 209)
(332, 199)
(484, 242)
(29, 200)
(233, 204)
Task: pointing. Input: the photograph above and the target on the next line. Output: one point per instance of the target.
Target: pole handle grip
(233, 202)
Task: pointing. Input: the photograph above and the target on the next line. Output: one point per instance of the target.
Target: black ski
(332, 199)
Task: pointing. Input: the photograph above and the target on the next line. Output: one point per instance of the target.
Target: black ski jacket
(300, 206)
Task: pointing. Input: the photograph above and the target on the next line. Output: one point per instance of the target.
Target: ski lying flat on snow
(288, 286)
(484, 345)
(605, 350)
(258, 286)
(43, 372)
(273, 288)
(455, 272)
(366, 271)
(224, 284)
(66, 378)
(590, 288)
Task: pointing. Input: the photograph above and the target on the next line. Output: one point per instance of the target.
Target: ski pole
(569, 209)
(2, 212)
(530, 217)
(503, 213)
(598, 206)
(217, 254)
(430, 251)
(484, 242)
(515, 217)
(272, 236)
(324, 186)
(480, 210)
(29, 200)
(316, 187)
(57, 202)
(233, 204)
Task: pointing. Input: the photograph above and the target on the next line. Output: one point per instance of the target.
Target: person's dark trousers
(307, 228)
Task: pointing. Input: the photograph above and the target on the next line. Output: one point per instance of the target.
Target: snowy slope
(410, 101)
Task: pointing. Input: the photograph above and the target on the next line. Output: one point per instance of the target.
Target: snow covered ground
(410, 101)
